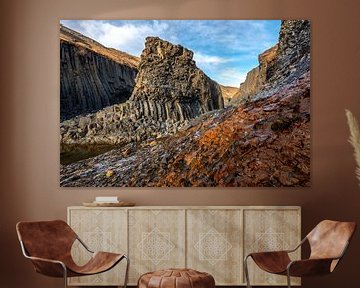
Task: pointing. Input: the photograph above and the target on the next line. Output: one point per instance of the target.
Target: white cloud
(127, 37)
(201, 58)
(217, 68)
(231, 77)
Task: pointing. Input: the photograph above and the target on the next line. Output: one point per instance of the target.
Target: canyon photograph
(185, 103)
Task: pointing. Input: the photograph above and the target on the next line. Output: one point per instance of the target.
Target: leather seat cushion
(176, 278)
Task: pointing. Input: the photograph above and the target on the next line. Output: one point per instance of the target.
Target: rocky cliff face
(228, 93)
(168, 77)
(293, 54)
(250, 86)
(282, 63)
(91, 75)
(257, 78)
(169, 91)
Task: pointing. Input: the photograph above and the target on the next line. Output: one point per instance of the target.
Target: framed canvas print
(184, 103)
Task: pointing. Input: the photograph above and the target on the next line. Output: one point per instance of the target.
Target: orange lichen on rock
(251, 146)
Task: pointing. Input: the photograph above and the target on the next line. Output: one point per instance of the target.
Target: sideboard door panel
(214, 244)
(101, 230)
(270, 230)
(156, 240)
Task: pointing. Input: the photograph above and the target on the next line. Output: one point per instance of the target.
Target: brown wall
(29, 112)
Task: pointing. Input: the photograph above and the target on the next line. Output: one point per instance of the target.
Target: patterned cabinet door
(214, 244)
(156, 240)
(270, 230)
(101, 230)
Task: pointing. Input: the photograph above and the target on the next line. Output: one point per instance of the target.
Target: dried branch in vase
(354, 139)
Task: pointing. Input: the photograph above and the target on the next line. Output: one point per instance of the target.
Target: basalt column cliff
(91, 75)
(169, 91)
(169, 78)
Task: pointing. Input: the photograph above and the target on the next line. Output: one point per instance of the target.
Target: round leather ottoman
(176, 278)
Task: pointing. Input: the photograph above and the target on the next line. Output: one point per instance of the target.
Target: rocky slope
(169, 91)
(261, 143)
(91, 75)
(281, 64)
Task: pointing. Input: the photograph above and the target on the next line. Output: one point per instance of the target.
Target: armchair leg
(246, 270)
(65, 276)
(288, 278)
(127, 271)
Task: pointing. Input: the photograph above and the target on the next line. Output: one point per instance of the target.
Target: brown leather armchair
(328, 242)
(48, 245)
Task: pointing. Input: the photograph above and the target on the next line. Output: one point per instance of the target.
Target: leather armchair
(328, 243)
(48, 245)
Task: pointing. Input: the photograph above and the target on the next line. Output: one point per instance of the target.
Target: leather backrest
(329, 238)
(46, 239)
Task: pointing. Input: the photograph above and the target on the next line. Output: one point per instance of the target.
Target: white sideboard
(211, 239)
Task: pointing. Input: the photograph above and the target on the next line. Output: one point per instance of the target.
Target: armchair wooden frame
(320, 261)
(100, 261)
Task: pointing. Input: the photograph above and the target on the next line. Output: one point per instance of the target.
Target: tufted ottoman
(176, 278)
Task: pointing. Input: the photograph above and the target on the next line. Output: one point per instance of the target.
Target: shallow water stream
(73, 153)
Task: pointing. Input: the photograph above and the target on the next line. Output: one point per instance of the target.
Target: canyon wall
(91, 75)
(170, 90)
(284, 62)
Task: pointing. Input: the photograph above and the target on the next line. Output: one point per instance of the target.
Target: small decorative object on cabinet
(328, 242)
(48, 245)
(109, 204)
(211, 239)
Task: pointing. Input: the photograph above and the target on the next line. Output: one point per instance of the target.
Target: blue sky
(224, 49)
